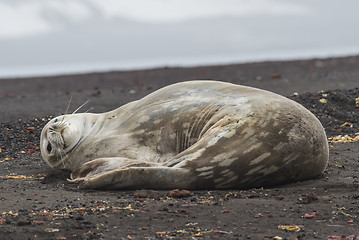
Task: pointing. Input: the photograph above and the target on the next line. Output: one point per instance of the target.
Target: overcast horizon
(49, 37)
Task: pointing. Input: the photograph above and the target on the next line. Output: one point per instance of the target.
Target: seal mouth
(55, 145)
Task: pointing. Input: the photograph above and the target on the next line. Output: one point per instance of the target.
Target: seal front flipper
(124, 173)
(141, 178)
(102, 165)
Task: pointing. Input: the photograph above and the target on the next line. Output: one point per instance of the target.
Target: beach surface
(38, 203)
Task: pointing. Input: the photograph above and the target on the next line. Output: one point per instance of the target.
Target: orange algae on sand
(343, 139)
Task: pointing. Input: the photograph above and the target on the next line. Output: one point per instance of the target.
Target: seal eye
(55, 120)
(49, 147)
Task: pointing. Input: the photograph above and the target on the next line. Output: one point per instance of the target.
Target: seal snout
(53, 142)
(55, 137)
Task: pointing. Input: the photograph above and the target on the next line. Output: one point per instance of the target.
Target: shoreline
(44, 96)
(71, 69)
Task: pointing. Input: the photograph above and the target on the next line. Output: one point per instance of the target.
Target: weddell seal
(190, 135)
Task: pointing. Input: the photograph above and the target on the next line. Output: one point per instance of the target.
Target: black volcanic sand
(38, 203)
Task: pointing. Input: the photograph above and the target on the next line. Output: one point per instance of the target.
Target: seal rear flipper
(140, 178)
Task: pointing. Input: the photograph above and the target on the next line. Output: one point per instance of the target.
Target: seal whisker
(62, 157)
(67, 108)
(68, 105)
(81, 107)
(59, 158)
(63, 154)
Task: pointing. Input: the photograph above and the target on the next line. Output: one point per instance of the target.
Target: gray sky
(45, 37)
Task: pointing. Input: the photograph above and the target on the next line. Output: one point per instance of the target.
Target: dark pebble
(176, 193)
(23, 223)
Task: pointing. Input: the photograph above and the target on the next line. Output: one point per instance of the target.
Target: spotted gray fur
(193, 135)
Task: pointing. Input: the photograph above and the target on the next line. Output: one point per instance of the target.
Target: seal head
(59, 137)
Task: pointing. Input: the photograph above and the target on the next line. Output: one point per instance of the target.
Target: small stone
(38, 222)
(23, 223)
(309, 216)
(146, 194)
(308, 198)
(323, 100)
(276, 76)
(176, 193)
(51, 230)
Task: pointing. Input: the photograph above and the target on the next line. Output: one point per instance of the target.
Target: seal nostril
(49, 147)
